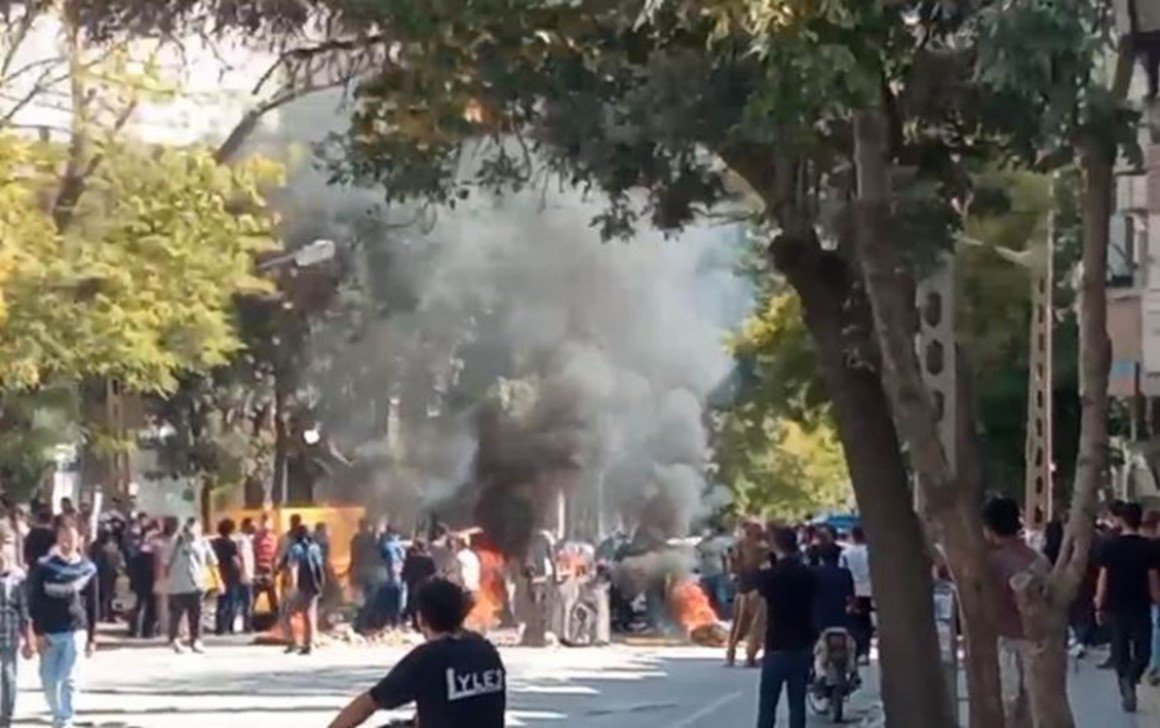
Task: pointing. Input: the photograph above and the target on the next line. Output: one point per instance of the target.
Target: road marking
(707, 711)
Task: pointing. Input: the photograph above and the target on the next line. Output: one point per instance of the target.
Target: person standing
(187, 576)
(366, 564)
(788, 590)
(142, 578)
(861, 619)
(244, 539)
(16, 635)
(1009, 555)
(265, 565)
(394, 590)
(470, 570)
(63, 602)
(1151, 530)
(229, 564)
(1129, 583)
(163, 544)
(40, 539)
(307, 578)
(106, 555)
(418, 569)
(749, 555)
(712, 557)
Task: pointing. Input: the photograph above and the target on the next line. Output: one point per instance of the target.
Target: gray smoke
(607, 351)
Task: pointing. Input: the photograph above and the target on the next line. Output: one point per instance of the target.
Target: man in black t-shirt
(1129, 583)
(789, 589)
(455, 680)
(229, 560)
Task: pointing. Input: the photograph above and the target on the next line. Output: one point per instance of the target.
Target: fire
(690, 606)
(492, 594)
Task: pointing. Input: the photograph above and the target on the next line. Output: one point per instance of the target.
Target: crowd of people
(786, 586)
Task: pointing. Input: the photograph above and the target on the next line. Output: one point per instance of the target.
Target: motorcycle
(835, 674)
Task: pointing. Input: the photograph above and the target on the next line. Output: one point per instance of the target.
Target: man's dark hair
(1116, 509)
(443, 605)
(785, 540)
(858, 534)
(295, 521)
(226, 527)
(831, 554)
(1132, 515)
(65, 521)
(247, 524)
(1001, 515)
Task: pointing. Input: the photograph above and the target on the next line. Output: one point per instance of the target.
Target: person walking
(307, 578)
(857, 555)
(1009, 555)
(16, 635)
(229, 564)
(187, 575)
(788, 590)
(749, 555)
(834, 597)
(63, 603)
(1129, 583)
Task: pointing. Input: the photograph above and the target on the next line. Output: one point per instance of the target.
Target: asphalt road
(616, 687)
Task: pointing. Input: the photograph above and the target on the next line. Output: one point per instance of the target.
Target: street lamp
(316, 253)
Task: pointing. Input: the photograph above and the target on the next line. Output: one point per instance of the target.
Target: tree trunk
(913, 691)
(1045, 627)
(954, 509)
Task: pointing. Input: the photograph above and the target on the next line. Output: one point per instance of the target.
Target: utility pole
(1038, 472)
(937, 355)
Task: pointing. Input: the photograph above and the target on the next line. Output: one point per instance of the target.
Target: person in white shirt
(245, 541)
(469, 566)
(857, 559)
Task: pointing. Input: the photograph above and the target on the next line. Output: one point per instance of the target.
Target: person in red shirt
(265, 554)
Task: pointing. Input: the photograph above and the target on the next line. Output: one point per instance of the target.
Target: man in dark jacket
(835, 595)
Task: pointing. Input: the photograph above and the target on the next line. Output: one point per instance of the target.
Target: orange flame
(492, 594)
(690, 606)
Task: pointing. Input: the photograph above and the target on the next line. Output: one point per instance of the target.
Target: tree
(775, 446)
(665, 102)
(142, 285)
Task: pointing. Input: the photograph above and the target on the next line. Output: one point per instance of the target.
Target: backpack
(311, 570)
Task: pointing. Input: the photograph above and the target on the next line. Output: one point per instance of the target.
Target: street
(250, 687)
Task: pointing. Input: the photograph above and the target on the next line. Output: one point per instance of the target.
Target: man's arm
(1154, 585)
(1101, 589)
(356, 712)
(92, 599)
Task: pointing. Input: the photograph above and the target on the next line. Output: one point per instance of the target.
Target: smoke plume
(502, 353)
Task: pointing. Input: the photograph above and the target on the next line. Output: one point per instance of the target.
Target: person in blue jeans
(63, 602)
(789, 588)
